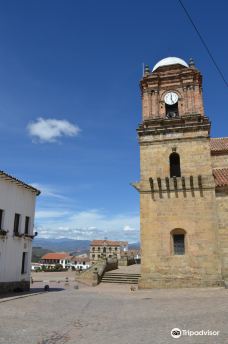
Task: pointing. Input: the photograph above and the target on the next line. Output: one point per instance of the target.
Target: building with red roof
(53, 258)
(106, 249)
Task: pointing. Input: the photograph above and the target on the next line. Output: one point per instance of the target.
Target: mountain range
(68, 245)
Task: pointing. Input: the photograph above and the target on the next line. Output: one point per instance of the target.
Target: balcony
(3, 232)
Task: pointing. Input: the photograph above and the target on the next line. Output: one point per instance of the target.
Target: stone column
(145, 105)
(192, 99)
(198, 100)
(157, 112)
(189, 99)
(185, 100)
(150, 103)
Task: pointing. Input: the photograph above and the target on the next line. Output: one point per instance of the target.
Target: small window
(93, 255)
(174, 162)
(104, 249)
(99, 256)
(110, 256)
(115, 248)
(16, 223)
(93, 248)
(110, 249)
(1, 218)
(98, 248)
(27, 224)
(24, 263)
(178, 244)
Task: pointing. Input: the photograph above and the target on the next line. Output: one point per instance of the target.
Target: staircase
(124, 278)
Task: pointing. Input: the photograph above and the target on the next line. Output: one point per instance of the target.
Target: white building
(80, 262)
(36, 266)
(17, 209)
(51, 259)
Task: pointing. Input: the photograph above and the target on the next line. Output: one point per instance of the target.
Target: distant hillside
(135, 245)
(62, 245)
(68, 245)
(38, 252)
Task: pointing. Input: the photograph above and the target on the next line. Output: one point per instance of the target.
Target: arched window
(104, 249)
(171, 111)
(174, 163)
(178, 241)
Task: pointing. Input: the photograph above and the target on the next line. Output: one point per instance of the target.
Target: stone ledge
(6, 287)
(149, 283)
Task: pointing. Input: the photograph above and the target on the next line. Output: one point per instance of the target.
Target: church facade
(183, 182)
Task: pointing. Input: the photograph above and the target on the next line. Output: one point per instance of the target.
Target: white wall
(15, 199)
(80, 265)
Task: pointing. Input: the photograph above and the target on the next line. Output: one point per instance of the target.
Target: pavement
(112, 313)
(131, 269)
(53, 276)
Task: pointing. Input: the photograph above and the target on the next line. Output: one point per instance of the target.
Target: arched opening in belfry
(171, 111)
(174, 163)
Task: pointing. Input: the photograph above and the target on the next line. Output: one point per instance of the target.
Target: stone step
(120, 282)
(120, 278)
(119, 274)
(123, 278)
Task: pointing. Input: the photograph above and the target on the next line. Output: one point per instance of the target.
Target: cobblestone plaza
(114, 314)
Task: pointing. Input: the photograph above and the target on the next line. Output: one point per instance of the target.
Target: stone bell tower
(178, 217)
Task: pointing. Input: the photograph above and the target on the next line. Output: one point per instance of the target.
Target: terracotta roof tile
(131, 252)
(56, 255)
(80, 259)
(221, 176)
(219, 145)
(108, 243)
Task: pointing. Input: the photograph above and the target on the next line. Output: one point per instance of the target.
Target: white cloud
(51, 129)
(91, 224)
(50, 214)
(129, 229)
(48, 191)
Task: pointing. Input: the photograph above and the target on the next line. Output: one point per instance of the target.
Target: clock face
(171, 98)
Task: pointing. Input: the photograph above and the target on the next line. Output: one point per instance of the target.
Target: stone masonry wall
(220, 161)
(222, 209)
(196, 214)
(195, 157)
(193, 210)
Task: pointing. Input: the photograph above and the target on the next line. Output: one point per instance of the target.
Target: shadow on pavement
(30, 292)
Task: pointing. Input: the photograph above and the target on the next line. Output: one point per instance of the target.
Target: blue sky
(70, 101)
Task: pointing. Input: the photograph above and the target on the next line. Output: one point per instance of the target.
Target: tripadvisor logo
(176, 333)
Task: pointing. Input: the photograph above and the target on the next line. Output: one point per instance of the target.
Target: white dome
(169, 61)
